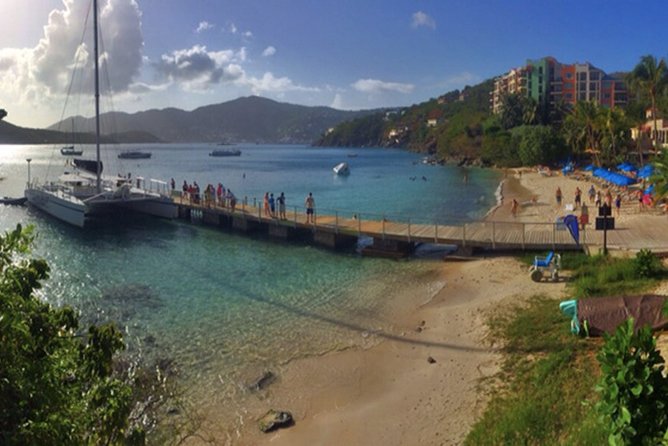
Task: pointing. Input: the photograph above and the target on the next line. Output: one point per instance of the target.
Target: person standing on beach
(558, 196)
(310, 205)
(578, 197)
(618, 204)
(598, 199)
(592, 193)
(513, 207)
(584, 216)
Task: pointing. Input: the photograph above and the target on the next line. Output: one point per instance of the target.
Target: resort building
(644, 132)
(551, 83)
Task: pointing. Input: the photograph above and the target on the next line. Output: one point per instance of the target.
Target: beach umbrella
(627, 167)
(649, 189)
(646, 171)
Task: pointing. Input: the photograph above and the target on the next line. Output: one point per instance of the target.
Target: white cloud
(41, 75)
(269, 51)
(248, 34)
(337, 102)
(204, 26)
(377, 86)
(460, 80)
(422, 19)
(269, 83)
(232, 28)
(198, 69)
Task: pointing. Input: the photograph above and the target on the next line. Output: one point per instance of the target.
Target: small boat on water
(341, 169)
(13, 201)
(220, 152)
(134, 155)
(70, 150)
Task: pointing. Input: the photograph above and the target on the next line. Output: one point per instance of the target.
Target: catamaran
(79, 196)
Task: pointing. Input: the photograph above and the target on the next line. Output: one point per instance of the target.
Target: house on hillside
(434, 117)
(646, 130)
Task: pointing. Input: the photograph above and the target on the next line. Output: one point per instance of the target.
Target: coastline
(392, 393)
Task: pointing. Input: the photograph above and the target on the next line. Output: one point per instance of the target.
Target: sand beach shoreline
(421, 383)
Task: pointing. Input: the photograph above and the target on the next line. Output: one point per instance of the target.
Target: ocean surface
(218, 305)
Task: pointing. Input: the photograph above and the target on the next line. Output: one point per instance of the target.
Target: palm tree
(660, 176)
(584, 126)
(649, 77)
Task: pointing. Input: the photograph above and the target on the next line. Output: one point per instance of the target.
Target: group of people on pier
(212, 196)
(274, 207)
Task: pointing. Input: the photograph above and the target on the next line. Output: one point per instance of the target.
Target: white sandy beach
(390, 394)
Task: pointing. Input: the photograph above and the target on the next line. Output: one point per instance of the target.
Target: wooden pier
(391, 237)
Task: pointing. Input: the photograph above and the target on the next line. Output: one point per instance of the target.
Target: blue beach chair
(550, 263)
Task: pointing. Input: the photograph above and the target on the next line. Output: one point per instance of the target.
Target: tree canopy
(57, 385)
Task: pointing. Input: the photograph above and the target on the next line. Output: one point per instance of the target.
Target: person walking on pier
(310, 205)
(265, 204)
(272, 206)
(281, 207)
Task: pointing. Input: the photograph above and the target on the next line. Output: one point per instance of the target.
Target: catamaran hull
(157, 207)
(62, 208)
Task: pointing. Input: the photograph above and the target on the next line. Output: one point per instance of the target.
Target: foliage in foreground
(634, 392)
(546, 388)
(56, 386)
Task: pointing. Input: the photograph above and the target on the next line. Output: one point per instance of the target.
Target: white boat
(342, 169)
(78, 196)
(70, 150)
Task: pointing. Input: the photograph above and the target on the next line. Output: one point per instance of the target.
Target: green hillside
(450, 126)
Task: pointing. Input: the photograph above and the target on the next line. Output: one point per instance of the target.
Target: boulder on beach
(275, 419)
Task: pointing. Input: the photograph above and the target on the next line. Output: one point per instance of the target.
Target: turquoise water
(222, 305)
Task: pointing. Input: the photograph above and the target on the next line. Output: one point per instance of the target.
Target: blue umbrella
(646, 171)
(649, 189)
(627, 167)
(590, 168)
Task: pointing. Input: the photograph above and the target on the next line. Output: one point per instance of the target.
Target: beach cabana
(600, 315)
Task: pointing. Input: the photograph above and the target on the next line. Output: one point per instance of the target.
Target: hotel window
(593, 86)
(569, 75)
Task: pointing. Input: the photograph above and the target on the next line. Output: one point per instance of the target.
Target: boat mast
(97, 98)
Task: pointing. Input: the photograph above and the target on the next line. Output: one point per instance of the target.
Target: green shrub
(634, 393)
(647, 264)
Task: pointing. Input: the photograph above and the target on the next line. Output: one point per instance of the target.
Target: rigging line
(69, 87)
(110, 123)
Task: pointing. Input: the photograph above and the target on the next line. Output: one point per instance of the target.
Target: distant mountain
(248, 119)
(12, 134)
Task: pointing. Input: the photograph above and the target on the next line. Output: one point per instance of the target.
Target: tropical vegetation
(60, 383)
(557, 388)
(459, 126)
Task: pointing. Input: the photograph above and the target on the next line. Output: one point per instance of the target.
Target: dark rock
(431, 360)
(418, 329)
(275, 419)
(262, 381)
(173, 411)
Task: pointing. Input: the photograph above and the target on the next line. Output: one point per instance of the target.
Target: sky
(346, 54)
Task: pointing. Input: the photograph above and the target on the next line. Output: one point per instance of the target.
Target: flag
(571, 222)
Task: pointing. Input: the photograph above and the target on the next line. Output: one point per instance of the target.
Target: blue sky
(340, 53)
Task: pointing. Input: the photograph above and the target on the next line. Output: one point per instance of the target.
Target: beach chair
(550, 263)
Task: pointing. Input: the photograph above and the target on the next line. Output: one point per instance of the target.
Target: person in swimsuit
(310, 205)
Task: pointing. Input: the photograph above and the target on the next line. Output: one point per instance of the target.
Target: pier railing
(460, 231)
